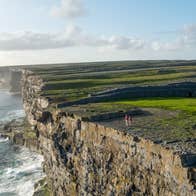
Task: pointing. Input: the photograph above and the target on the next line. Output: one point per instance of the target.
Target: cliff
(86, 158)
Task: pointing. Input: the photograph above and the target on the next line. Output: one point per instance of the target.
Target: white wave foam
(25, 189)
(3, 139)
(19, 179)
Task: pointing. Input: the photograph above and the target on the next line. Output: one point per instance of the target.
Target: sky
(60, 31)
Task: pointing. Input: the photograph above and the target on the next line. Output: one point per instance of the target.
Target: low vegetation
(71, 82)
(187, 105)
(165, 118)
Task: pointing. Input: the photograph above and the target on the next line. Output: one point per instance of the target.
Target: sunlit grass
(182, 104)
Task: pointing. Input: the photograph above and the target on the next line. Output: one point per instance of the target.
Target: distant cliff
(85, 158)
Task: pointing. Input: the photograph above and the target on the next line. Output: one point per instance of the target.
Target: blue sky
(52, 31)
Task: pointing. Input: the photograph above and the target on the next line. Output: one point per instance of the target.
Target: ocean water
(19, 167)
(10, 106)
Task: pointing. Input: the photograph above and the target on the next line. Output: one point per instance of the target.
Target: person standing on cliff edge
(126, 120)
(130, 120)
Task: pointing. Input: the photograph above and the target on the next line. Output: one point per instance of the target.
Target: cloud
(69, 9)
(123, 42)
(169, 46)
(189, 32)
(186, 38)
(72, 36)
(32, 41)
(75, 36)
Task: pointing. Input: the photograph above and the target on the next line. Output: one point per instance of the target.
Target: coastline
(81, 156)
(86, 157)
(16, 132)
(13, 127)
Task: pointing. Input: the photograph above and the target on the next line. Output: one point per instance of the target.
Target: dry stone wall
(85, 158)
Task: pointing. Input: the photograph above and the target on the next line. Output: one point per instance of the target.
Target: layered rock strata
(85, 158)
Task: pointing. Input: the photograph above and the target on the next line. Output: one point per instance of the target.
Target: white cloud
(122, 42)
(72, 36)
(169, 46)
(189, 32)
(35, 41)
(32, 41)
(186, 38)
(75, 36)
(69, 9)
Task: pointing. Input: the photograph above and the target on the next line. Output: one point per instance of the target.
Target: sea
(20, 168)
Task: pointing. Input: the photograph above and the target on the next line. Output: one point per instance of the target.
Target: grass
(169, 118)
(77, 88)
(115, 73)
(115, 80)
(71, 82)
(183, 104)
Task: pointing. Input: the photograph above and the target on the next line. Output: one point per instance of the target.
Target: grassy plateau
(168, 118)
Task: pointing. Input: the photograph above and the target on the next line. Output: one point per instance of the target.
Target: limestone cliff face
(84, 158)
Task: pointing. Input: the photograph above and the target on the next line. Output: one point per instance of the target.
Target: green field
(165, 118)
(69, 88)
(187, 105)
(76, 81)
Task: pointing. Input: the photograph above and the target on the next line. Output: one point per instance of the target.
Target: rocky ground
(172, 129)
(151, 125)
